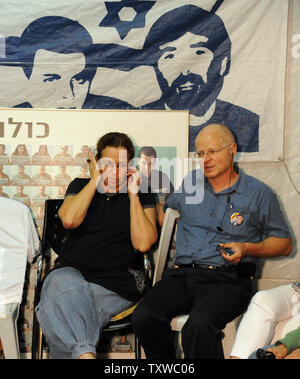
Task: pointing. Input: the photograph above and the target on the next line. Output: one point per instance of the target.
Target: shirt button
(212, 215)
(207, 233)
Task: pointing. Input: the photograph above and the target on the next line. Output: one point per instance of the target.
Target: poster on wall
(42, 150)
(224, 61)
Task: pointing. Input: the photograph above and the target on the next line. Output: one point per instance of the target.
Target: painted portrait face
(58, 85)
(188, 74)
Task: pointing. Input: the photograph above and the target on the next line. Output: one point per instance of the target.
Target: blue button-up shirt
(205, 224)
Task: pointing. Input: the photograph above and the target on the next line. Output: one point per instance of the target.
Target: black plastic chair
(53, 238)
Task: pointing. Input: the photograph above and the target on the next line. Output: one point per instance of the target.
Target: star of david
(137, 11)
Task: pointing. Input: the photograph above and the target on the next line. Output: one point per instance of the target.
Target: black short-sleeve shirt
(101, 249)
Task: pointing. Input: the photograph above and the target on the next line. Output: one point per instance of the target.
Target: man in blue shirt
(237, 212)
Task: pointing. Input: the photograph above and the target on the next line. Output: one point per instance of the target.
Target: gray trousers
(72, 312)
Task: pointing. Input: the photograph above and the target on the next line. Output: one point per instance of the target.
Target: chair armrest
(8, 310)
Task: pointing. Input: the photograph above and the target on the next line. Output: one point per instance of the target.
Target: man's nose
(206, 157)
(185, 71)
(68, 91)
(180, 65)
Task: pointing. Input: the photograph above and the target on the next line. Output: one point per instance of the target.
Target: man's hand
(294, 354)
(238, 249)
(280, 351)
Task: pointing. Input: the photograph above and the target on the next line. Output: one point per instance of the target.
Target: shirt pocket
(241, 224)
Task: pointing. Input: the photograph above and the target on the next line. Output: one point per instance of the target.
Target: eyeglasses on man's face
(209, 153)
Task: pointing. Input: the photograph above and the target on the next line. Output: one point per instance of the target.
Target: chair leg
(41, 344)
(9, 333)
(138, 352)
(35, 338)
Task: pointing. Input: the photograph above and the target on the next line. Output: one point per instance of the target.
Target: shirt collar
(239, 185)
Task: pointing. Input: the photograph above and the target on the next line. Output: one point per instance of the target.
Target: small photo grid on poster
(32, 174)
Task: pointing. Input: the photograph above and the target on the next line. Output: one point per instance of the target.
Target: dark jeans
(211, 298)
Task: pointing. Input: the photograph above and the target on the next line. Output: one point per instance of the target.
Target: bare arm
(74, 208)
(268, 248)
(142, 225)
(142, 221)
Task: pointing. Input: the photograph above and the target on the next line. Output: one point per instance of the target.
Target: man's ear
(224, 64)
(233, 150)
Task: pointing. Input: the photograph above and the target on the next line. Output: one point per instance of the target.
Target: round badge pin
(236, 219)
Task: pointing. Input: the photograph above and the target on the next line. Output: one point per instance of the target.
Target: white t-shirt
(19, 243)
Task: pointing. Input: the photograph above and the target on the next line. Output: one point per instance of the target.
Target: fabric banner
(224, 61)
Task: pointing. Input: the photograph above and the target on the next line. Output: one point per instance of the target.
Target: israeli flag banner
(224, 61)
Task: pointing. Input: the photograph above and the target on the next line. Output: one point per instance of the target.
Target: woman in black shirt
(100, 271)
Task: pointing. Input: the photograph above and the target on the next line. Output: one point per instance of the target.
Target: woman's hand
(134, 181)
(93, 167)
